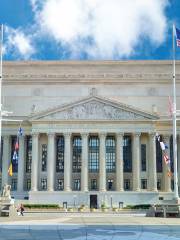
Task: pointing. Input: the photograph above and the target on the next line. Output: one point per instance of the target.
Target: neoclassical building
(89, 131)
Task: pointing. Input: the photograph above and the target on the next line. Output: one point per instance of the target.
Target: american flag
(178, 37)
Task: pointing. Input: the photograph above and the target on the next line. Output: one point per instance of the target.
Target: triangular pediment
(93, 108)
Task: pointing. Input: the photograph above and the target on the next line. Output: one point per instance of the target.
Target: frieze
(94, 110)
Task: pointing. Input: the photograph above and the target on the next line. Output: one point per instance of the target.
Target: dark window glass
(110, 154)
(77, 186)
(0, 184)
(159, 184)
(60, 154)
(14, 154)
(158, 156)
(93, 184)
(44, 184)
(143, 157)
(28, 154)
(127, 184)
(28, 184)
(110, 184)
(127, 154)
(44, 158)
(77, 149)
(93, 154)
(143, 183)
(1, 154)
(171, 154)
(172, 184)
(60, 185)
(14, 184)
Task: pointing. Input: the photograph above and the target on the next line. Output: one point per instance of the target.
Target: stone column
(67, 163)
(35, 160)
(6, 159)
(166, 179)
(51, 162)
(102, 165)
(84, 165)
(136, 162)
(152, 170)
(119, 162)
(21, 162)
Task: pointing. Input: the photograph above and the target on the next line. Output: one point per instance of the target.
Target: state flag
(10, 169)
(166, 159)
(177, 37)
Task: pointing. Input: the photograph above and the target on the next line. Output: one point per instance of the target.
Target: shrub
(140, 206)
(43, 206)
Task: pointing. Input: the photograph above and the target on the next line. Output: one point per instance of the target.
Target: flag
(170, 106)
(20, 131)
(177, 37)
(166, 159)
(10, 170)
(16, 145)
(162, 146)
(169, 173)
(15, 156)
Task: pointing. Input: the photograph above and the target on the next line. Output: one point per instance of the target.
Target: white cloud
(18, 43)
(114, 27)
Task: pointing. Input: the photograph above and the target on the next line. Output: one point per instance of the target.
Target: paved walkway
(86, 218)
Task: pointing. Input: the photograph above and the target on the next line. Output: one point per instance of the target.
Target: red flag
(16, 145)
(170, 107)
(166, 158)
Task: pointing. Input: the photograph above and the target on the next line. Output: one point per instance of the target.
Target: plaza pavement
(85, 218)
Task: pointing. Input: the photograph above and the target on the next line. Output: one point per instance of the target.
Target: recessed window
(143, 157)
(77, 186)
(127, 154)
(60, 154)
(143, 183)
(60, 185)
(76, 157)
(110, 154)
(14, 184)
(44, 184)
(93, 154)
(44, 158)
(126, 184)
(159, 184)
(93, 184)
(110, 184)
(28, 184)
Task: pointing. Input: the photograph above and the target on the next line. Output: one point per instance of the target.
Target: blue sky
(88, 29)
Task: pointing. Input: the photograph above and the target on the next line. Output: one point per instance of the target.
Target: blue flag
(178, 37)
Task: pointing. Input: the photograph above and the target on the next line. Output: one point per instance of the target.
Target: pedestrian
(21, 209)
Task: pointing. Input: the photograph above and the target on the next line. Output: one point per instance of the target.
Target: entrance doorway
(93, 201)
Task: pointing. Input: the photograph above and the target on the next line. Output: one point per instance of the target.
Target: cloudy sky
(88, 29)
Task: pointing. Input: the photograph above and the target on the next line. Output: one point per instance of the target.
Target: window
(159, 184)
(93, 184)
(28, 184)
(110, 154)
(14, 184)
(1, 154)
(127, 154)
(110, 184)
(60, 185)
(158, 156)
(76, 157)
(44, 158)
(126, 184)
(0, 184)
(171, 154)
(77, 184)
(172, 184)
(143, 157)
(14, 153)
(43, 183)
(60, 154)
(28, 154)
(143, 183)
(93, 154)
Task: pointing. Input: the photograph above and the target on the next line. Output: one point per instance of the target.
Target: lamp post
(111, 201)
(74, 197)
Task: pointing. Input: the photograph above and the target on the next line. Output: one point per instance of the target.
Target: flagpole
(1, 53)
(176, 195)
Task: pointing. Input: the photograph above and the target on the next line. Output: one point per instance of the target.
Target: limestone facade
(89, 131)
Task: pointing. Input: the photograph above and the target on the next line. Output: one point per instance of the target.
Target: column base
(67, 190)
